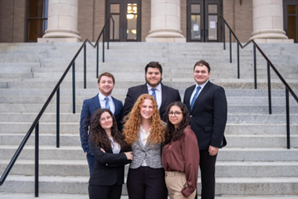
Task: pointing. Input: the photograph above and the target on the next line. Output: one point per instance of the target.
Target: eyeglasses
(104, 119)
(176, 113)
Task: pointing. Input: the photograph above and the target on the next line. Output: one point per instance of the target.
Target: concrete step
(85, 196)
(72, 138)
(224, 186)
(226, 154)
(223, 169)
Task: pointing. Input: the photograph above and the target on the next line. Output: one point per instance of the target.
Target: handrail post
(58, 118)
(238, 60)
(230, 46)
(108, 32)
(224, 36)
(103, 46)
(36, 160)
(269, 88)
(97, 59)
(255, 65)
(73, 89)
(288, 118)
(113, 30)
(217, 31)
(85, 63)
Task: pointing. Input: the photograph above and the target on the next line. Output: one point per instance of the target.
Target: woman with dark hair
(180, 155)
(144, 132)
(107, 145)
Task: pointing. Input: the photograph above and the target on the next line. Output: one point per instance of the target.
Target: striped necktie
(107, 106)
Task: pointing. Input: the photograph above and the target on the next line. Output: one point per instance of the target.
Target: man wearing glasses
(207, 106)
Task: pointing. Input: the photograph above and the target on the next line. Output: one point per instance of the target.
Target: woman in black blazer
(107, 145)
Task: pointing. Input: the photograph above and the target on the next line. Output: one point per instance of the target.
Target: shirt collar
(158, 87)
(202, 85)
(102, 97)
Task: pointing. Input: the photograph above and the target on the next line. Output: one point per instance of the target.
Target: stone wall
(183, 19)
(85, 19)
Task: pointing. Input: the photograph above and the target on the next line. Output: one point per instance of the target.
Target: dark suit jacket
(209, 115)
(169, 95)
(103, 174)
(89, 107)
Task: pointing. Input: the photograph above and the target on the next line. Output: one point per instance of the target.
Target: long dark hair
(99, 136)
(172, 133)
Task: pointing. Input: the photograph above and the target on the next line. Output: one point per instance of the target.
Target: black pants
(105, 192)
(207, 167)
(146, 183)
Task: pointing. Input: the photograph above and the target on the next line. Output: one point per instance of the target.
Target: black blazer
(89, 107)
(169, 95)
(209, 115)
(108, 167)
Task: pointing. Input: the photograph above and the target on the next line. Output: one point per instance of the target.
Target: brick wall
(183, 19)
(12, 20)
(146, 19)
(85, 19)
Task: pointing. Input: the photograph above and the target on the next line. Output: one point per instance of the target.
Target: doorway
(290, 19)
(37, 19)
(202, 18)
(127, 19)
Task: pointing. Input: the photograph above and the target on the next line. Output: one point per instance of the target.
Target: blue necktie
(194, 97)
(107, 103)
(153, 92)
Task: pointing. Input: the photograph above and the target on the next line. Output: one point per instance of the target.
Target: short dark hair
(153, 64)
(106, 74)
(202, 63)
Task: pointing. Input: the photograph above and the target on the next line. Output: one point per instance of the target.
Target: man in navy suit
(103, 99)
(164, 95)
(207, 106)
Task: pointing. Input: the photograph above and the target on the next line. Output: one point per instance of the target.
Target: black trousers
(146, 183)
(207, 167)
(105, 192)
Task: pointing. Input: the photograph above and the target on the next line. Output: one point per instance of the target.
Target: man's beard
(153, 85)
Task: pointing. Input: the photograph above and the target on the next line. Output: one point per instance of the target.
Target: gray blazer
(150, 153)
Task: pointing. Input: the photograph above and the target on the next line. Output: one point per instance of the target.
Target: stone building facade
(160, 20)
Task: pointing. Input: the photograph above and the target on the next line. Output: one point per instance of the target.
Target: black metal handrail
(35, 124)
(269, 64)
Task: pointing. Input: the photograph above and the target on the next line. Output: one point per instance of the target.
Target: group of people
(164, 140)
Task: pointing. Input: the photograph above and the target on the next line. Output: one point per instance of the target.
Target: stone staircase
(255, 163)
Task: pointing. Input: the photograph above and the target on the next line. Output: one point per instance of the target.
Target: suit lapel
(201, 94)
(116, 106)
(163, 95)
(96, 102)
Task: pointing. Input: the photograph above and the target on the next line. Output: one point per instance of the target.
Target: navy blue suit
(89, 107)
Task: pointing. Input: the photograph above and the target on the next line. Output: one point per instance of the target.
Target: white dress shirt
(102, 102)
(115, 146)
(194, 91)
(144, 136)
(157, 92)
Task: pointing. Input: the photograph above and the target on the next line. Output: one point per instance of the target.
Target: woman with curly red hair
(108, 146)
(145, 133)
(180, 155)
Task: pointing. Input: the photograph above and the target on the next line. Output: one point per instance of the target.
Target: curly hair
(98, 134)
(172, 133)
(133, 122)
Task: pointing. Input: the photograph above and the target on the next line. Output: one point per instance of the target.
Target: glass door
(202, 18)
(290, 19)
(127, 19)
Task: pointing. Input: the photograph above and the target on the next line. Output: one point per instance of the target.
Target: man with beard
(164, 95)
(103, 99)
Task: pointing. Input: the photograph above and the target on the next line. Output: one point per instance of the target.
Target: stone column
(62, 22)
(165, 22)
(268, 22)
